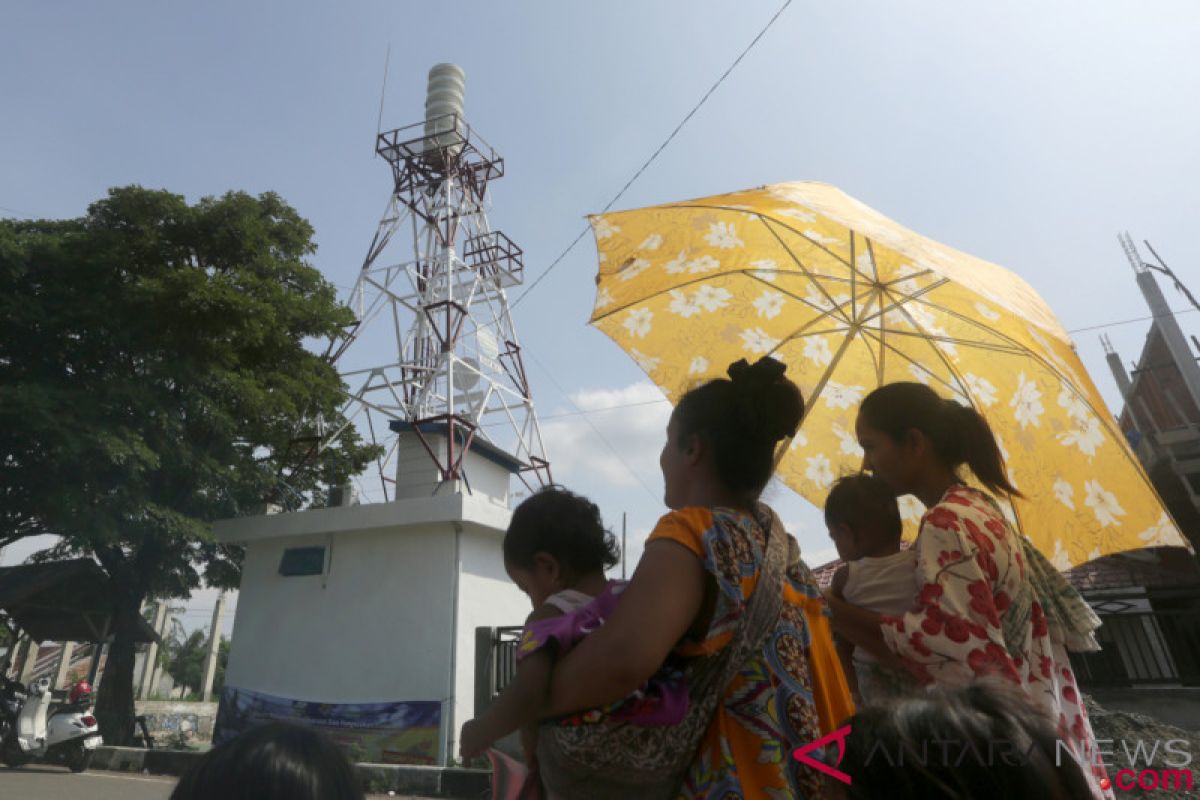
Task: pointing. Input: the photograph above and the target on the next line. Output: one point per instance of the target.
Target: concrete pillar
(1119, 375)
(214, 647)
(64, 665)
(28, 661)
(150, 665)
(1168, 326)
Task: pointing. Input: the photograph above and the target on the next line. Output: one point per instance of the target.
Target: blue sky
(1025, 133)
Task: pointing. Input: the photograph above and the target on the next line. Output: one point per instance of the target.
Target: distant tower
(453, 377)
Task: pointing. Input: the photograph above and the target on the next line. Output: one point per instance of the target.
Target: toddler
(556, 550)
(864, 523)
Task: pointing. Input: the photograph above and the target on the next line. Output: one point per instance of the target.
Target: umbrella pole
(623, 516)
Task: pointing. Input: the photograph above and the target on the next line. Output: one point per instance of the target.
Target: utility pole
(150, 666)
(214, 648)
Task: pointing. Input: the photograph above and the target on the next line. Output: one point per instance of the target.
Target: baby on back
(863, 520)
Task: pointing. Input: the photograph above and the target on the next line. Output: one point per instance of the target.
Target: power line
(656, 153)
(1126, 321)
(595, 430)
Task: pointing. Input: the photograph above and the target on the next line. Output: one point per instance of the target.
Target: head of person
(556, 537)
(981, 742)
(726, 431)
(862, 517)
(274, 761)
(907, 432)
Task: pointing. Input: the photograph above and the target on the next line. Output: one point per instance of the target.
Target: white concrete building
(384, 600)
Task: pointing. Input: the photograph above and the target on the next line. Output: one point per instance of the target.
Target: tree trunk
(114, 703)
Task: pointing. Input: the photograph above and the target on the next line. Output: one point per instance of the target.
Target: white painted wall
(394, 619)
(486, 598)
(375, 629)
(417, 475)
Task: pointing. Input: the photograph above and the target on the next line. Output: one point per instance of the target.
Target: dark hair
(864, 502)
(563, 524)
(273, 761)
(742, 419)
(960, 434)
(974, 743)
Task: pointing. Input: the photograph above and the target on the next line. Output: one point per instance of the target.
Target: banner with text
(404, 732)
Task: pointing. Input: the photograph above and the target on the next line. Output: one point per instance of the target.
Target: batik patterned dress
(977, 616)
(793, 692)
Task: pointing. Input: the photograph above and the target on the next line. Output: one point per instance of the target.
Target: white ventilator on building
(362, 617)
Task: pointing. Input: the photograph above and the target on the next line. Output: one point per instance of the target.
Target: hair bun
(768, 405)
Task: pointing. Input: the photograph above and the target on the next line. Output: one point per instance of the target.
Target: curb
(449, 782)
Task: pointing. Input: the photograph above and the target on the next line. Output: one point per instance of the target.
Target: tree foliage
(153, 378)
(187, 656)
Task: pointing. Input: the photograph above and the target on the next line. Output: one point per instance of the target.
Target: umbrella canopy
(850, 300)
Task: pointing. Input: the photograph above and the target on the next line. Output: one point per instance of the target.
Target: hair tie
(751, 384)
(760, 374)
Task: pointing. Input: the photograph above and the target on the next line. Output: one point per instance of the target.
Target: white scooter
(65, 733)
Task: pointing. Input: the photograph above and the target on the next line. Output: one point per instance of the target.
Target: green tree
(153, 378)
(187, 656)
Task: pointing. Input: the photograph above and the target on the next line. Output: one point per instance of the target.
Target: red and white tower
(434, 284)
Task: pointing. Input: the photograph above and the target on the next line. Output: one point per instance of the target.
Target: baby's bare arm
(520, 701)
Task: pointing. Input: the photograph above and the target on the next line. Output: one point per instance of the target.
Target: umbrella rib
(995, 348)
(871, 254)
(875, 294)
(882, 348)
(914, 362)
(853, 281)
(748, 273)
(913, 276)
(751, 274)
(1017, 348)
(800, 265)
(801, 331)
(965, 393)
(816, 392)
(898, 304)
(770, 221)
(942, 356)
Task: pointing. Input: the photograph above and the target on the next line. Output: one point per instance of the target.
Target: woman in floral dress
(990, 606)
(694, 584)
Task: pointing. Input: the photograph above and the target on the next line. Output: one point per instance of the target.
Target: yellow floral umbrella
(850, 300)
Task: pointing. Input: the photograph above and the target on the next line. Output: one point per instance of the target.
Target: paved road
(38, 782)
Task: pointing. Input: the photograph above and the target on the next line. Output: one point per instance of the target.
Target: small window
(302, 561)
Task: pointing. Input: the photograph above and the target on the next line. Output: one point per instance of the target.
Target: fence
(1147, 639)
(495, 662)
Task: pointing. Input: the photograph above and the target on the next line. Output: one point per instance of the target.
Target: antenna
(383, 91)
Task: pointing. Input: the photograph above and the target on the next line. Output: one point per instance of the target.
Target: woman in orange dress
(693, 586)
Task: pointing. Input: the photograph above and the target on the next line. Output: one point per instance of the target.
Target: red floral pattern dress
(973, 588)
